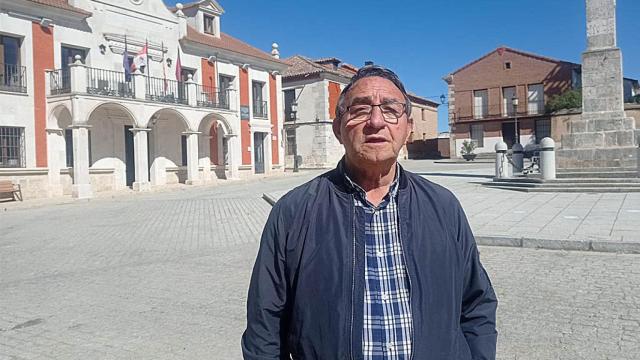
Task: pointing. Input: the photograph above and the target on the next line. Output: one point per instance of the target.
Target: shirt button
(390, 346)
(384, 296)
(380, 253)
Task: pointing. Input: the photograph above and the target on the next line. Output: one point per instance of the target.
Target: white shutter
(508, 94)
(480, 103)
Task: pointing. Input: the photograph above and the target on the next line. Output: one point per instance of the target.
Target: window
(507, 65)
(226, 83)
(209, 27)
(68, 57)
(289, 98)
(477, 135)
(291, 141)
(12, 75)
(259, 106)
(508, 93)
(543, 129)
(535, 99)
(480, 104)
(11, 147)
(184, 75)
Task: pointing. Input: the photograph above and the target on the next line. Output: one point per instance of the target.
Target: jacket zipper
(353, 270)
(406, 266)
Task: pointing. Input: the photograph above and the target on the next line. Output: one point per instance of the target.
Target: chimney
(274, 51)
(368, 63)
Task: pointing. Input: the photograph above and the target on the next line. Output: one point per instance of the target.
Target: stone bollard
(517, 159)
(502, 162)
(548, 158)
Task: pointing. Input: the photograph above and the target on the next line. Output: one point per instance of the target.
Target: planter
(469, 157)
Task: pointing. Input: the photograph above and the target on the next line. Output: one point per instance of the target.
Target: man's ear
(336, 129)
(409, 128)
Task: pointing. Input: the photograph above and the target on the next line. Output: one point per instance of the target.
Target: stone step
(619, 189)
(612, 181)
(598, 174)
(552, 185)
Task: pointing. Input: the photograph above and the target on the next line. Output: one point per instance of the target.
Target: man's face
(375, 140)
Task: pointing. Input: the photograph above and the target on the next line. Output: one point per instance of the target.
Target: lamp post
(514, 102)
(294, 114)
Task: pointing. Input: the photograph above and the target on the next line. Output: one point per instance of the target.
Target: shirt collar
(352, 185)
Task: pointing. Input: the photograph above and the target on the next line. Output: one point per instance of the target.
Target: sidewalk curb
(548, 244)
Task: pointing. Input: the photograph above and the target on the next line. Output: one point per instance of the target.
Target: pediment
(211, 6)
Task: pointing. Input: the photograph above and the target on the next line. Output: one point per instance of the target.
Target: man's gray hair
(369, 71)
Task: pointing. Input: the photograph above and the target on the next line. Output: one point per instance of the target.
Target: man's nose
(377, 119)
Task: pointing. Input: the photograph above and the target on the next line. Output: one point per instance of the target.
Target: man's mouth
(375, 140)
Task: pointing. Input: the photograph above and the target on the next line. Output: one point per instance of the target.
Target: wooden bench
(10, 190)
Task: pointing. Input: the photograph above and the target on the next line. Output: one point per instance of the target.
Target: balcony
(260, 109)
(210, 97)
(60, 82)
(493, 112)
(13, 78)
(81, 79)
(167, 91)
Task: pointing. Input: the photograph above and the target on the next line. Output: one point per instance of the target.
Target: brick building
(480, 98)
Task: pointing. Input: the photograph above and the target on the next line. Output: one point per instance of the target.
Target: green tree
(569, 99)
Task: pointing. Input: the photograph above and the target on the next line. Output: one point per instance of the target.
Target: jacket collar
(338, 178)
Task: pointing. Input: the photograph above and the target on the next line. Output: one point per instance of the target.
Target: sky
(422, 41)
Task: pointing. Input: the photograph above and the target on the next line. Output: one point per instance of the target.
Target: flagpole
(148, 69)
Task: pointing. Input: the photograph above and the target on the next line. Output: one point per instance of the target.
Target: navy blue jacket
(306, 295)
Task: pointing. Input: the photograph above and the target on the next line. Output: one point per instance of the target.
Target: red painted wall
(273, 105)
(334, 94)
(208, 73)
(245, 131)
(42, 60)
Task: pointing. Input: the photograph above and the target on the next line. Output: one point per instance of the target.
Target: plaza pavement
(164, 276)
(569, 221)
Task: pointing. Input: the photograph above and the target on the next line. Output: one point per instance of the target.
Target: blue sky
(424, 40)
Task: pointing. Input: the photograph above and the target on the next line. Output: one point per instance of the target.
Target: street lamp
(514, 102)
(294, 114)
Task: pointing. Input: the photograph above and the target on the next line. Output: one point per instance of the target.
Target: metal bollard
(548, 158)
(502, 162)
(518, 158)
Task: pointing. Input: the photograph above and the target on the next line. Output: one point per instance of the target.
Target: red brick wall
(334, 94)
(490, 73)
(273, 106)
(245, 130)
(42, 60)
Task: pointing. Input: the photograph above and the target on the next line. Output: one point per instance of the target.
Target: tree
(569, 99)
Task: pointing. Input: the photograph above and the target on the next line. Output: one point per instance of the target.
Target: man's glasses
(391, 112)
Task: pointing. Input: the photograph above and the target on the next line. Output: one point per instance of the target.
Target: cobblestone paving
(164, 276)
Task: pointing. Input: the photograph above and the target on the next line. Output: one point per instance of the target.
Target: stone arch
(167, 146)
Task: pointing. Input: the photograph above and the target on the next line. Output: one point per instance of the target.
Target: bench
(10, 190)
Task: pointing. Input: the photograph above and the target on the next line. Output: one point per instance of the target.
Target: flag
(125, 61)
(179, 67)
(164, 71)
(140, 60)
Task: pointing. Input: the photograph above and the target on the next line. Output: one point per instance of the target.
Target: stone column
(193, 175)
(141, 156)
(205, 161)
(81, 180)
(55, 141)
(139, 85)
(78, 76)
(234, 157)
(602, 139)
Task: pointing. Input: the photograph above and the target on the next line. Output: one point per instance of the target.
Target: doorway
(508, 133)
(258, 152)
(129, 157)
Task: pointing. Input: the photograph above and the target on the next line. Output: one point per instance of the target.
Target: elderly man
(369, 261)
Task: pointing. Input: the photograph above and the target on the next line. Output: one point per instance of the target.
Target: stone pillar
(502, 162)
(518, 158)
(78, 75)
(139, 85)
(192, 91)
(234, 157)
(81, 180)
(141, 159)
(547, 158)
(55, 140)
(193, 175)
(602, 139)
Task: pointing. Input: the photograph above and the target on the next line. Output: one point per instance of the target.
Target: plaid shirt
(387, 308)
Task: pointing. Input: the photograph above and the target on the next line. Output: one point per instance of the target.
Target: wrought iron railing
(210, 97)
(109, 83)
(60, 81)
(499, 110)
(13, 78)
(167, 91)
(260, 109)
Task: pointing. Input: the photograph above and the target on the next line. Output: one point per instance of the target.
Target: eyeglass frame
(404, 112)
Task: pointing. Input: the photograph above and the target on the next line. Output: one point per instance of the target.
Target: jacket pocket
(462, 348)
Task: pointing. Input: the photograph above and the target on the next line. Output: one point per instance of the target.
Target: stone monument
(603, 139)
